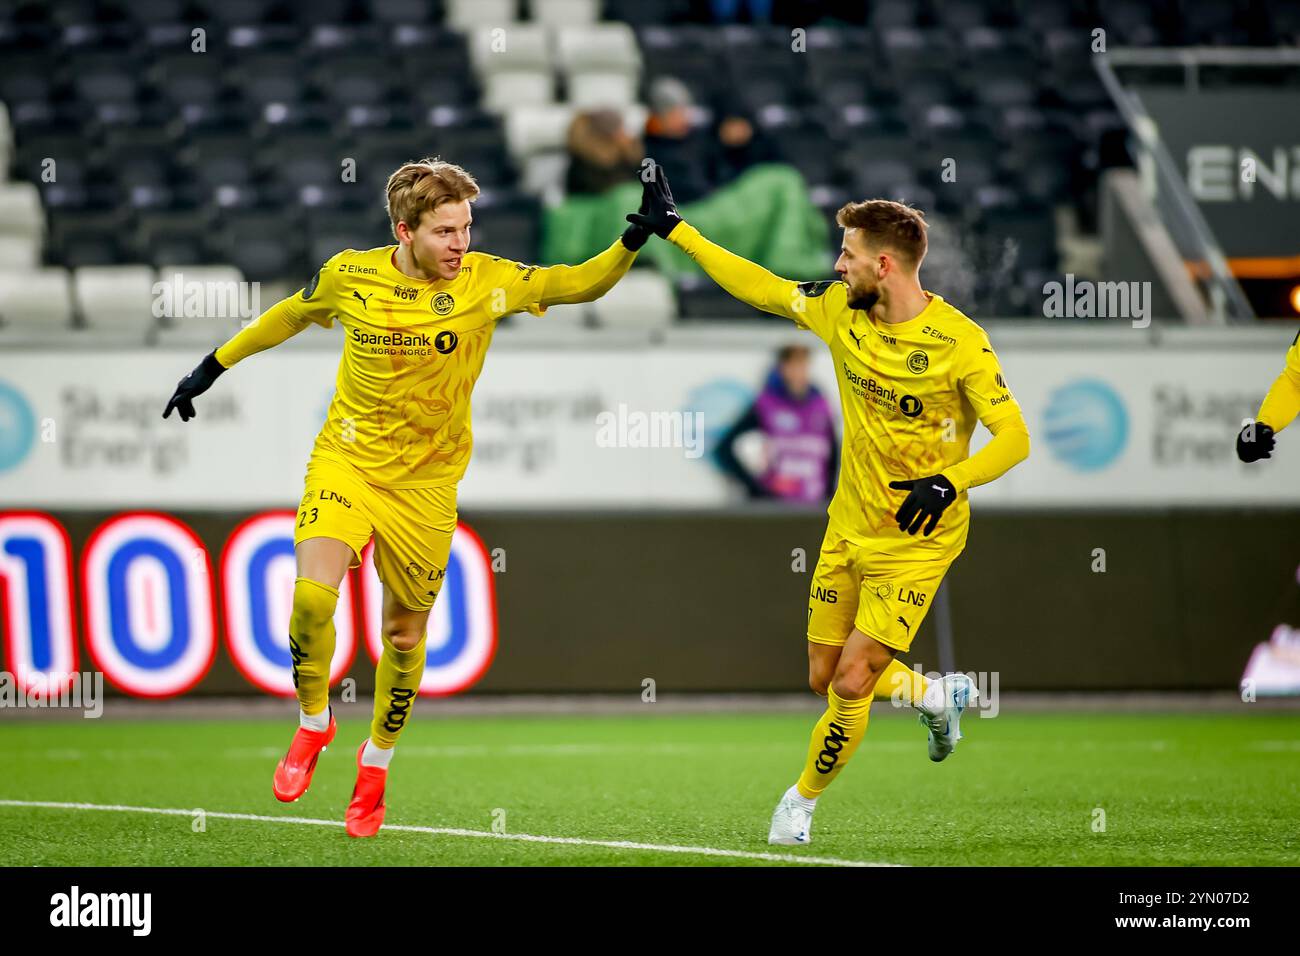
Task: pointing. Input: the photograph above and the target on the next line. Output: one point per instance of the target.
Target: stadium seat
(471, 14)
(20, 252)
(114, 298)
(642, 299)
(518, 89)
(607, 47)
(555, 13)
(521, 47)
(6, 141)
(21, 215)
(228, 294)
(35, 307)
(531, 130)
(594, 90)
(404, 12)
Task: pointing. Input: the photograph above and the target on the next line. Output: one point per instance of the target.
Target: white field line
(454, 751)
(451, 831)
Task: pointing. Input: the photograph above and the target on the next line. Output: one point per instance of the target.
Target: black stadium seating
(165, 155)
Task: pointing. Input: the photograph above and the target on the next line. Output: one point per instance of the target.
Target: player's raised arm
(810, 304)
(280, 322)
(1279, 409)
(533, 288)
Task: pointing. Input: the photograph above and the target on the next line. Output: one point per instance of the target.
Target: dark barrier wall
(709, 601)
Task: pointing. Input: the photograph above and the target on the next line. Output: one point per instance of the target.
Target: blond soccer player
(915, 375)
(418, 316)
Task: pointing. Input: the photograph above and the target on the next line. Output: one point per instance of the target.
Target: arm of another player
(1279, 409)
(811, 305)
(277, 324)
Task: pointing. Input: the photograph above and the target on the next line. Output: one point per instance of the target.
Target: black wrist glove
(926, 498)
(634, 237)
(658, 211)
(1255, 441)
(194, 385)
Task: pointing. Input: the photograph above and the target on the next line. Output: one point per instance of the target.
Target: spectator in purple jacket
(802, 454)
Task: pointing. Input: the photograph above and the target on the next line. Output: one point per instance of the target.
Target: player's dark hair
(888, 225)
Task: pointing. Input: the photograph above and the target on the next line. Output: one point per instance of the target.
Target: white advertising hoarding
(1110, 427)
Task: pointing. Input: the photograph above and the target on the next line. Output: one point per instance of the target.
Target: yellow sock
(898, 678)
(311, 642)
(397, 680)
(834, 739)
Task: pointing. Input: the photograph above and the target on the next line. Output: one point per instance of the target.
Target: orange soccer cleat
(366, 810)
(293, 772)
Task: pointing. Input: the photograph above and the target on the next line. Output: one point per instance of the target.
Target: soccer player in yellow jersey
(418, 318)
(1279, 409)
(914, 377)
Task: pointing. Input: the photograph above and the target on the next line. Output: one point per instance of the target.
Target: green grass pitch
(1022, 789)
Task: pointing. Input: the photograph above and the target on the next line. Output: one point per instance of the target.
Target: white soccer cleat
(945, 725)
(791, 823)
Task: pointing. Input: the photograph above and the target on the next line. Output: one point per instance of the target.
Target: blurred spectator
(675, 142)
(601, 152)
(738, 147)
(801, 455)
(701, 159)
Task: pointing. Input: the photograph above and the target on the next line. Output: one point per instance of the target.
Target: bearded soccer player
(419, 316)
(914, 376)
(1279, 409)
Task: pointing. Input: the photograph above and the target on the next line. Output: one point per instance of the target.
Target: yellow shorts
(412, 527)
(883, 596)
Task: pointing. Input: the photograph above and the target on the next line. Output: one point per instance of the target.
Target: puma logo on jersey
(857, 340)
(362, 299)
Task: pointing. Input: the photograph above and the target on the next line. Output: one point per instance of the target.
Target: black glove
(1253, 447)
(658, 211)
(634, 237)
(194, 385)
(927, 497)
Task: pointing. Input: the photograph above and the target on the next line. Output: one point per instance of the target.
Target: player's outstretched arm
(1279, 409)
(745, 280)
(563, 284)
(280, 322)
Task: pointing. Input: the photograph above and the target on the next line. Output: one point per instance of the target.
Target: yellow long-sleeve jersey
(911, 393)
(414, 349)
(1282, 403)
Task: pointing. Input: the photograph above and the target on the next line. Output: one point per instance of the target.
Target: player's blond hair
(888, 225)
(422, 186)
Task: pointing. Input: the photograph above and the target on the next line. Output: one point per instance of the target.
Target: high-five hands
(658, 211)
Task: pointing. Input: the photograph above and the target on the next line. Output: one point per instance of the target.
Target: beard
(863, 300)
